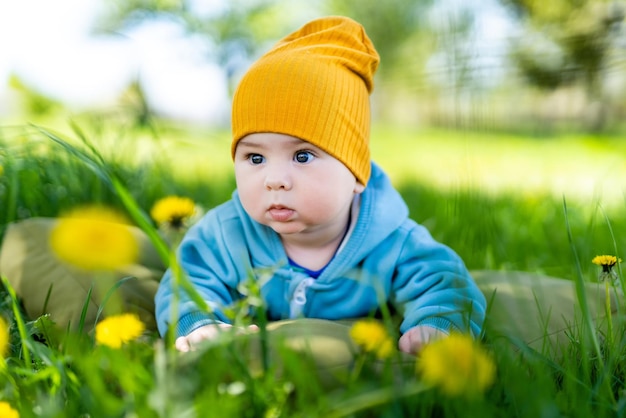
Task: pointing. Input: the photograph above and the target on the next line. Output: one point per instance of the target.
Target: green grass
(504, 202)
(581, 168)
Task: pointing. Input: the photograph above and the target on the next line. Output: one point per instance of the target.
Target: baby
(312, 208)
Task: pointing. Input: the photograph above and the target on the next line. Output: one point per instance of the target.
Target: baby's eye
(256, 159)
(304, 157)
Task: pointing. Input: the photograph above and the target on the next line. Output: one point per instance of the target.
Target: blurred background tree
(555, 65)
(569, 42)
(405, 34)
(234, 32)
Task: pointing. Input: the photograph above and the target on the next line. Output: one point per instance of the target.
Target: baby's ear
(358, 188)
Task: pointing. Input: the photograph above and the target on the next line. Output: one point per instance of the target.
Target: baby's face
(293, 186)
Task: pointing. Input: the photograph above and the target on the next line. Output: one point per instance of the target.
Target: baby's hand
(417, 337)
(206, 332)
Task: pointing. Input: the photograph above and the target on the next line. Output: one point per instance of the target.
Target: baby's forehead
(260, 139)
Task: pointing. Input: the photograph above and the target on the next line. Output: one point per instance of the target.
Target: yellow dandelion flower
(606, 261)
(116, 330)
(457, 365)
(94, 238)
(7, 411)
(4, 338)
(372, 337)
(173, 211)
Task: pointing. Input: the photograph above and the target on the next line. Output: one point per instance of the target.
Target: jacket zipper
(298, 300)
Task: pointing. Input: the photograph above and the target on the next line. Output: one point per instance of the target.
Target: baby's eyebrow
(245, 143)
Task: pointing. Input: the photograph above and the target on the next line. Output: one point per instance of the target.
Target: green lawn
(503, 202)
(581, 168)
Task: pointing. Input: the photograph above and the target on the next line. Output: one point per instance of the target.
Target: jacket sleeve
(433, 287)
(207, 262)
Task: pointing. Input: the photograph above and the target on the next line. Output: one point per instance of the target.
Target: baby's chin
(287, 228)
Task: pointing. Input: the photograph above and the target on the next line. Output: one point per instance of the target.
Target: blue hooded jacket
(387, 258)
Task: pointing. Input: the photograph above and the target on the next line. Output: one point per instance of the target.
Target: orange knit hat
(314, 85)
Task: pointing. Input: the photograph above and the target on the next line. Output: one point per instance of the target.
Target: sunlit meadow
(547, 205)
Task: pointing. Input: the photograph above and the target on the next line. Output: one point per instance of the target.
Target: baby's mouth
(280, 213)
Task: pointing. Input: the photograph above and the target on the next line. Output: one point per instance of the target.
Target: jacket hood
(382, 211)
